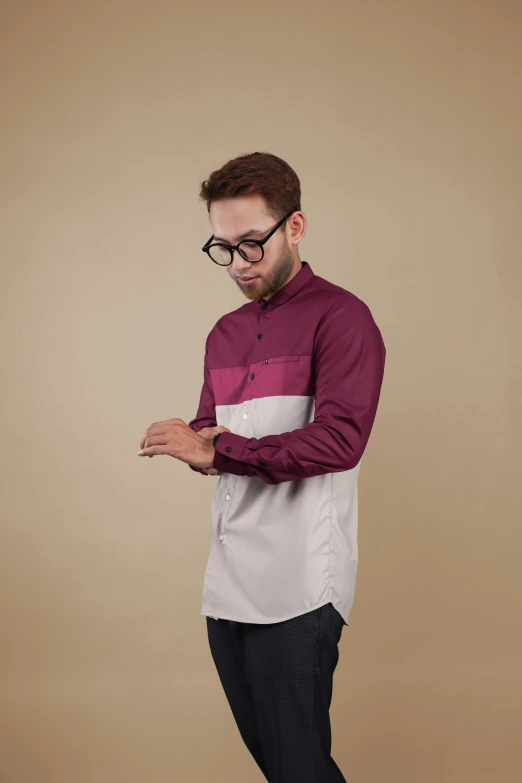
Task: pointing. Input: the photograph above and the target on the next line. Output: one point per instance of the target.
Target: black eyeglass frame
(260, 242)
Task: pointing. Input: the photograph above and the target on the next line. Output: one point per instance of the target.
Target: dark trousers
(278, 680)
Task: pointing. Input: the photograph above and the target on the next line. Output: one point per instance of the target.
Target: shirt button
(266, 361)
(221, 538)
(259, 336)
(252, 377)
(228, 448)
(264, 307)
(227, 497)
(245, 415)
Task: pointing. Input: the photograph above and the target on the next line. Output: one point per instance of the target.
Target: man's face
(233, 217)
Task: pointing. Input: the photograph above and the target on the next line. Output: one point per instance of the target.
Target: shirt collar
(289, 290)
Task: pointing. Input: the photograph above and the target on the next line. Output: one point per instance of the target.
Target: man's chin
(250, 292)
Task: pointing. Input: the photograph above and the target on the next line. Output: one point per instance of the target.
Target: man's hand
(208, 433)
(178, 440)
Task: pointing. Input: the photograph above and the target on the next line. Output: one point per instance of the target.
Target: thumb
(209, 432)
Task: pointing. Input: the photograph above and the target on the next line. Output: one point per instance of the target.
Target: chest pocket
(281, 359)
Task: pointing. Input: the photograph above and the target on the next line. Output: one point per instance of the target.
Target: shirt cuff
(227, 454)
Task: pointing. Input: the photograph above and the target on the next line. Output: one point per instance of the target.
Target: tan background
(403, 121)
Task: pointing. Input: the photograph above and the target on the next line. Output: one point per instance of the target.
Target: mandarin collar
(289, 290)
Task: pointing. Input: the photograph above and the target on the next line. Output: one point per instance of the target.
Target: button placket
(222, 521)
(223, 515)
(224, 511)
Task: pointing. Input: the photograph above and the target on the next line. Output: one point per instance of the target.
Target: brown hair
(256, 173)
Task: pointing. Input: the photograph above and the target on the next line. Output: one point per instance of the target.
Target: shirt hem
(290, 616)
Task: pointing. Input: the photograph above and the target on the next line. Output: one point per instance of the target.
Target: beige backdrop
(404, 122)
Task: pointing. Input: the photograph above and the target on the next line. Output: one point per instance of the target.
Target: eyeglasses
(251, 249)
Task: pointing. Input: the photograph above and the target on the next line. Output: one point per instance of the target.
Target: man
(291, 385)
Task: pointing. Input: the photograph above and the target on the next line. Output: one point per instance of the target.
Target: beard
(279, 274)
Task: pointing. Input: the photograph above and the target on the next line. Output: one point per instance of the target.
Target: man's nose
(240, 264)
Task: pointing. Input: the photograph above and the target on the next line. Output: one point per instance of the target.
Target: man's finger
(150, 451)
(159, 428)
(209, 432)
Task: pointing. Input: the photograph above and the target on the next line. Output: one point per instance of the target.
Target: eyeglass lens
(222, 255)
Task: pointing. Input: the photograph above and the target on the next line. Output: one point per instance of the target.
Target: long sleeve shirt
(297, 380)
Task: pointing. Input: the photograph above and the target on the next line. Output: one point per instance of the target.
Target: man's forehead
(234, 228)
(251, 232)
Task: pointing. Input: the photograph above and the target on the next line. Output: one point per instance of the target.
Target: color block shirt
(296, 379)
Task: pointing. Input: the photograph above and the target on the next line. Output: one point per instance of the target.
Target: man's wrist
(210, 452)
